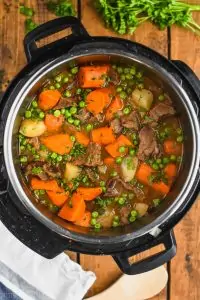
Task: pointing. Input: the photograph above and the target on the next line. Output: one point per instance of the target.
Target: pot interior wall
(179, 103)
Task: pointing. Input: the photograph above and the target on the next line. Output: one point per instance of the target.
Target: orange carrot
(113, 149)
(48, 99)
(47, 185)
(172, 147)
(58, 198)
(109, 161)
(59, 143)
(82, 138)
(161, 187)
(92, 76)
(74, 209)
(98, 99)
(143, 173)
(53, 123)
(89, 194)
(103, 135)
(171, 170)
(115, 106)
(85, 220)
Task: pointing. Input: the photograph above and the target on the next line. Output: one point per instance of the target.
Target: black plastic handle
(49, 28)
(151, 262)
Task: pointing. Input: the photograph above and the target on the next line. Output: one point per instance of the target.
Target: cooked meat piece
(126, 185)
(79, 161)
(52, 171)
(69, 128)
(100, 117)
(35, 142)
(148, 145)
(161, 110)
(114, 187)
(83, 115)
(94, 177)
(139, 193)
(93, 155)
(124, 213)
(114, 76)
(116, 126)
(65, 102)
(131, 121)
(30, 166)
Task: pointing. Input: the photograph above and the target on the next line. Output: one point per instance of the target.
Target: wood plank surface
(104, 267)
(185, 267)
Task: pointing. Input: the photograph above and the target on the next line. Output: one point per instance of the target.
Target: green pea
(57, 113)
(23, 159)
(134, 136)
(118, 160)
(135, 142)
(119, 89)
(121, 201)
(173, 157)
(85, 179)
(179, 139)
(52, 87)
(132, 219)
(29, 147)
(119, 70)
(123, 77)
(132, 152)
(161, 97)
(37, 193)
(73, 110)
(134, 213)
(126, 110)
(42, 192)
(133, 70)
(129, 76)
(70, 120)
(33, 150)
(95, 214)
(27, 114)
(59, 158)
(34, 104)
(129, 91)
(62, 111)
(156, 202)
(57, 85)
(115, 224)
(78, 91)
(54, 155)
(41, 115)
(139, 75)
(113, 173)
(67, 114)
(155, 166)
(102, 183)
(123, 95)
(81, 104)
(74, 70)
(158, 161)
(65, 79)
(76, 122)
(36, 156)
(179, 131)
(22, 148)
(89, 127)
(72, 138)
(126, 70)
(67, 94)
(122, 149)
(93, 222)
(165, 160)
(58, 78)
(97, 226)
(161, 166)
(116, 218)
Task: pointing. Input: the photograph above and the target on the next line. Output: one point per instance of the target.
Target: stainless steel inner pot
(182, 186)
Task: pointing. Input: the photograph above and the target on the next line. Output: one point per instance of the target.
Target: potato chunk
(142, 98)
(32, 128)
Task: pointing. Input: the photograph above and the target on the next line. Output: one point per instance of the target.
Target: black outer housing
(16, 218)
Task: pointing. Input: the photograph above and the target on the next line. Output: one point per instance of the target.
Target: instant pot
(31, 222)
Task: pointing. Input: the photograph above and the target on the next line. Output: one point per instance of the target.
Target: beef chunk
(161, 110)
(83, 115)
(69, 128)
(148, 145)
(114, 76)
(131, 121)
(115, 186)
(35, 142)
(38, 164)
(124, 213)
(93, 155)
(139, 194)
(65, 102)
(116, 126)
(93, 176)
(52, 171)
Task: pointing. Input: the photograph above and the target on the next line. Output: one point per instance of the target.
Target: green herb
(61, 8)
(29, 25)
(124, 16)
(27, 11)
(78, 150)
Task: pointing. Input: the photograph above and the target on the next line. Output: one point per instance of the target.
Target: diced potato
(102, 169)
(71, 171)
(142, 98)
(141, 208)
(107, 218)
(32, 128)
(129, 167)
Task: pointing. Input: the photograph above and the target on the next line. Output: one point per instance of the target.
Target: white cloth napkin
(32, 277)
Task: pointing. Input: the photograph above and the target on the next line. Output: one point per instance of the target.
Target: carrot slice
(143, 173)
(53, 123)
(98, 99)
(115, 106)
(113, 149)
(59, 143)
(109, 161)
(85, 220)
(58, 198)
(74, 209)
(161, 187)
(89, 194)
(171, 170)
(47, 185)
(103, 135)
(48, 99)
(172, 147)
(82, 138)
(92, 76)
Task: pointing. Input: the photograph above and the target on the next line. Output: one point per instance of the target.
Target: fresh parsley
(61, 8)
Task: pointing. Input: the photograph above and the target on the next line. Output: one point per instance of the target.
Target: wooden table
(175, 43)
